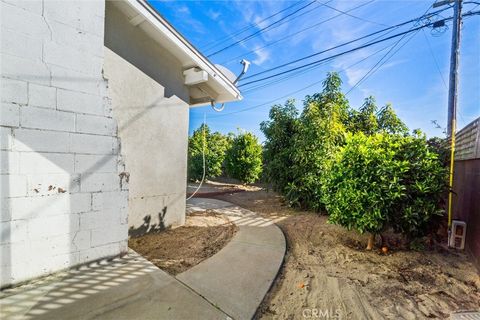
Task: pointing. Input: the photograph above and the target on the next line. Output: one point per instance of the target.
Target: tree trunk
(371, 241)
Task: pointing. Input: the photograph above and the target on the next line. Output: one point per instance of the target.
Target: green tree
(216, 146)
(321, 129)
(244, 158)
(279, 132)
(365, 119)
(389, 122)
(384, 181)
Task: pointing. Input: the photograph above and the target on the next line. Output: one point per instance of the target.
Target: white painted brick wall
(9, 162)
(91, 144)
(50, 184)
(15, 91)
(95, 163)
(41, 163)
(95, 124)
(21, 45)
(61, 202)
(41, 140)
(40, 118)
(79, 102)
(42, 96)
(6, 138)
(10, 115)
(17, 185)
(96, 182)
(33, 71)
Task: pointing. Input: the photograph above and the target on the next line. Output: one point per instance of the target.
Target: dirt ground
(328, 275)
(179, 249)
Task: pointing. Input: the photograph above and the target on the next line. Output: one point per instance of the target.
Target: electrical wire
(344, 44)
(271, 25)
(358, 18)
(334, 56)
(219, 41)
(295, 33)
(300, 72)
(298, 90)
(384, 59)
(469, 14)
(203, 157)
(434, 59)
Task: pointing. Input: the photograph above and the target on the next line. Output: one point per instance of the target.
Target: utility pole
(453, 94)
(454, 59)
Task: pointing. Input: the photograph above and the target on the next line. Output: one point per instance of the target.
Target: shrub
(216, 146)
(244, 158)
(382, 181)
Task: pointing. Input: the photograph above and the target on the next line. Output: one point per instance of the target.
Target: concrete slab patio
(230, 284)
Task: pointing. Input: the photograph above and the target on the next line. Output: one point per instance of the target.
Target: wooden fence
(466, 185)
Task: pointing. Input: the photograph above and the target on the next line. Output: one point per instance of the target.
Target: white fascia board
(197, 59)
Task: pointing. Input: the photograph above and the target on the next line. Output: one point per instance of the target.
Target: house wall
(140, 50)
(149, 102)
(466, 202)
(62, 202)
(154, 134)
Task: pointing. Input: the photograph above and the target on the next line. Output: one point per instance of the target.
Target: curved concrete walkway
(237, 278)
(231, 284)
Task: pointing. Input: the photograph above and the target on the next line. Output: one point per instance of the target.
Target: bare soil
(177, 250)
(328, 274)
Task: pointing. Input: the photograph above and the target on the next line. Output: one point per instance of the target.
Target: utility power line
(298, 32)
(271, 25)
(222, 40)
(347, 51)
(334, 56)
(299, 90)
(385, 57)
(344, 44)
(382, 61)
(356, 17)
(300, 72)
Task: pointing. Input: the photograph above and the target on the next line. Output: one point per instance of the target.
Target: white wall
(62, 202)
(154, 134)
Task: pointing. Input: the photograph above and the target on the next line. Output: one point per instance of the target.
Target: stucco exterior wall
(154, 134)
(135, 46)
(62, 201)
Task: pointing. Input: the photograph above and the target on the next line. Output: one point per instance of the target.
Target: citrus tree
(244, 158)
(384, 181)
(216, 146)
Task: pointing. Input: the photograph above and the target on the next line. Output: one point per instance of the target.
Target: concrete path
(237, 278)
(125, 288)
(231, 284)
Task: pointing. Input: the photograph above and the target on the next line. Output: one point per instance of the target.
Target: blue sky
(414, 80)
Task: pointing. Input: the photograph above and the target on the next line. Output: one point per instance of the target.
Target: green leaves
(216, 146)
(401, 184)
(244, 158)
(361, 165)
